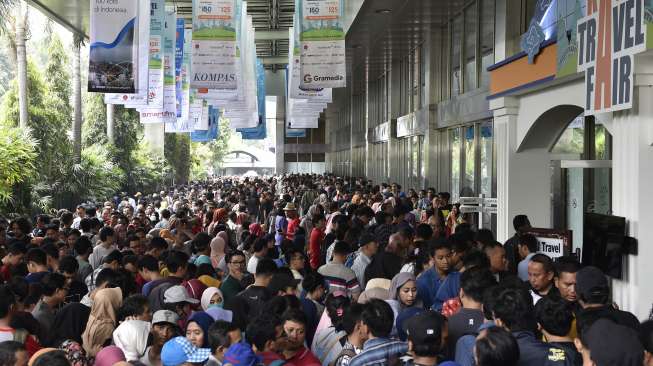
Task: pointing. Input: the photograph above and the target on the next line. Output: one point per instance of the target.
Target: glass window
(602, 142)
(454, 138)
(486, 147)
(468, 189)
(470, 47)
(487, 39)
(572, 140)
(456, 41)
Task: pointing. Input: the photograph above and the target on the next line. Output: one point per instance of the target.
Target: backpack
(349, 262)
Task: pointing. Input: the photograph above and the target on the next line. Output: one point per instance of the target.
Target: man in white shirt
(106, 246)
(260, 251)
(368, 246)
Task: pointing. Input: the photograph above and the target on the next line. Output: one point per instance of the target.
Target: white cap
(177, 294)
(165, 316)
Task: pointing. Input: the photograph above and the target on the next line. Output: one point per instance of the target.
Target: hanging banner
(213, 127)
(113, 58)
(214, 44)
(294, 67)
(322, 40)
(155, 62)
(609, 37)
(179, 60)
(259, 132)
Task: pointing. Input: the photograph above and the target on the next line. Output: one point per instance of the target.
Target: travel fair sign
(609, 37)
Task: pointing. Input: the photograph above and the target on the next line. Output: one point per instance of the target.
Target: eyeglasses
(238, 262)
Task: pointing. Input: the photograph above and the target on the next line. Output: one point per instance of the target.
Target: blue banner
(179, 60)
(295, 132)
(214, 127)
(259, 132)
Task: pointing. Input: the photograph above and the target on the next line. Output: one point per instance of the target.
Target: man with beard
(294, 326)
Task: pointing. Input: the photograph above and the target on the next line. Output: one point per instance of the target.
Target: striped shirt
(340, 278)
(379, 352)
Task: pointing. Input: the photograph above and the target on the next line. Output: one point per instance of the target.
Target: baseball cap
(177, 294)
(591, 285)
(282, 280)
(425, 327)
(179, 350)
(612, 344)
(365, 239)
(165, 316)
(241, 354)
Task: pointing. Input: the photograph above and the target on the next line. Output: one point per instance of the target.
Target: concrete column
(632, 192)
(110, 123)
(432, 48)
(507, 29)
(280, 166)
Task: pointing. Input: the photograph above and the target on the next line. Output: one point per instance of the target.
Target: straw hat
(290, 207)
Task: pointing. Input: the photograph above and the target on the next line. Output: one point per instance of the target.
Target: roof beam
(270, 35)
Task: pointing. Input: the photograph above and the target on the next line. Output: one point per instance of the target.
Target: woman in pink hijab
(218, 245)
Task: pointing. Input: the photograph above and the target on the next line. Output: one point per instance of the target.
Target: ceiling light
(383, 11)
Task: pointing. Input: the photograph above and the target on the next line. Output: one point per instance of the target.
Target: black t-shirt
(466, 321)
(383, 265)
(564, 354)
(256, 297)
(608, 312)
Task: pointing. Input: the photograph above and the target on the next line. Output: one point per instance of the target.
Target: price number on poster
(321, 9)
(216, 9)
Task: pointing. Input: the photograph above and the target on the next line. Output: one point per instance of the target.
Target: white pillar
(632, 191)
(154, 134)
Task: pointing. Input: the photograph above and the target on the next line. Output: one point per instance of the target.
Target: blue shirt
(449, 289)
(428, 284)
(377, 351)
(522, 267)
(465, 347)
(35, 277)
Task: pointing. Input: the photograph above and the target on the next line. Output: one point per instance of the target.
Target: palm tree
(13, 25)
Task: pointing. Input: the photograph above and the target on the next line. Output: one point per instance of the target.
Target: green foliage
(177, 153)
(150, 171)
(220, 147)
(201, 159)
(94, 129)
(17, 156)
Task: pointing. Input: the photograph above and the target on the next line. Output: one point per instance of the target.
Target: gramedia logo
(308, 78)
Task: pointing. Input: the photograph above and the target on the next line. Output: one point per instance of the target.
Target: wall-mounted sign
(554, 243)
(609, 37)
(412, 124)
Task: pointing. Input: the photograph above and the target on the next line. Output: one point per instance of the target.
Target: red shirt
(304, 357)
(314, 245)
(292, 228)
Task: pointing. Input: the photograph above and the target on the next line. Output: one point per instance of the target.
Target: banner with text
(322, 39)
(113, 58)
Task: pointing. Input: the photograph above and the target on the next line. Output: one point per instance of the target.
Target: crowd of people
(298, 270)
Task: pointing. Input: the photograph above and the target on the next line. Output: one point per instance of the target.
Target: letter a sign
(609, 37)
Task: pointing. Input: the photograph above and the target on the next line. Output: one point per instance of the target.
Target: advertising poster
(169, 95)
(295, 90)
(213, 127)
(179, 61)
(214, 44)
(155, 62)
(322, 40)
(259, 132)
(113, 58)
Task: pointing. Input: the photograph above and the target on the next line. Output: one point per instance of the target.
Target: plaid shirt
(379, 352)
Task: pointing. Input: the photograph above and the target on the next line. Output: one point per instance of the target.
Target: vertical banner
(259, 132)
(169, 96)
(155, 62)
(213, 127)
(322, 39)
(179, 61)
(214, 44)
(113, 58)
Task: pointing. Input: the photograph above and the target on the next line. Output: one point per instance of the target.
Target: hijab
(219, 215)
(208, 294)
(70, 321)
(204, 321)
(109, 356)
(131, 337)
(217, 250)
(224, 236)
(399, 280)
(102, 320)
(75, 353)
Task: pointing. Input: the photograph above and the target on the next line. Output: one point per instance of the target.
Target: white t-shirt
(251, 265)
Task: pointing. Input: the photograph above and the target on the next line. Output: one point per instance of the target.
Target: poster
(259, 132)
(295, 90)
(609, 37)
(214, 44)
(179, 60)
(213, 127)
(113, 58)
(554, 243)
(322, 40)
(155, 62)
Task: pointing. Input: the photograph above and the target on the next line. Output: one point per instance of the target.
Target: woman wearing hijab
(197, 329)
(403, 294)
(70, 322)
(102, 320)
(218, 217)
(213, 303)
(131, 337)
(75, 354)
(218, 245)
(109, 356)
(256, 230)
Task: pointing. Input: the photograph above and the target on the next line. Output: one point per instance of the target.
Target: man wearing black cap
(367, 248)
(425, 337)
(594, 297)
